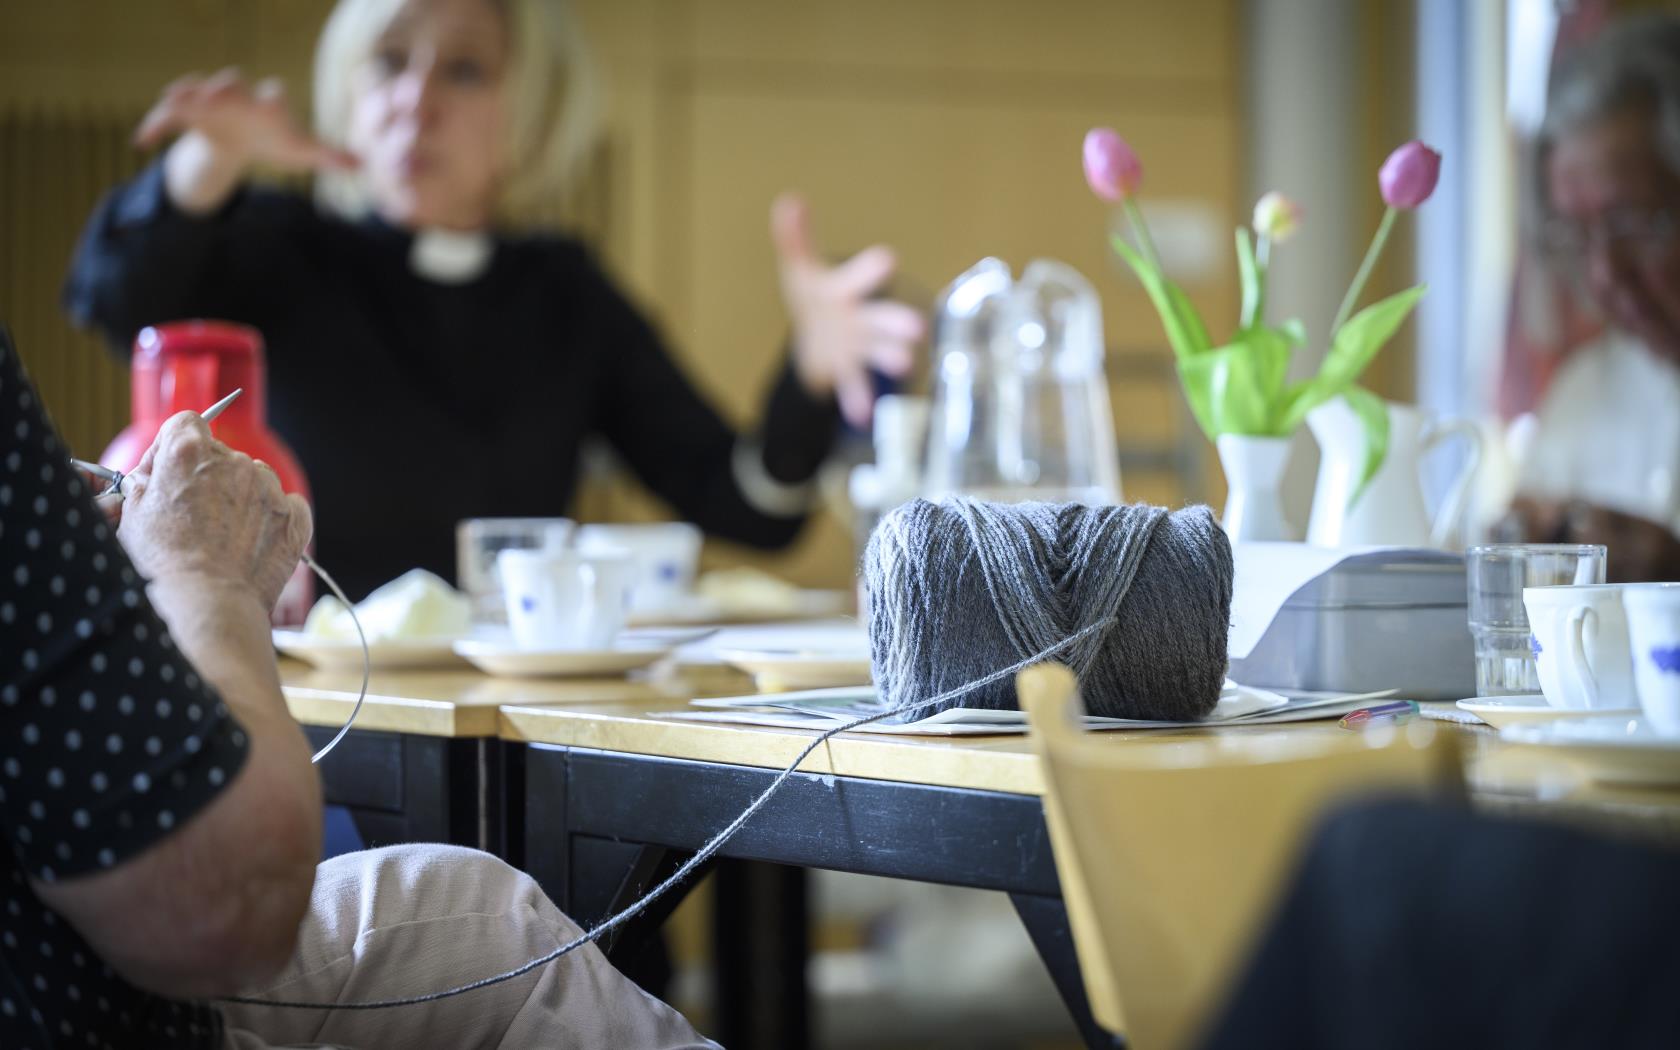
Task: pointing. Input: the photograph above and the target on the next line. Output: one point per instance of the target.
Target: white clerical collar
(450, 256)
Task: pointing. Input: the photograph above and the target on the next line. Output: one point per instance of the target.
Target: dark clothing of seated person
(1413, 925)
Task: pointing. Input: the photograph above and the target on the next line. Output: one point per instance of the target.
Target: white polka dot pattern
(108, 742)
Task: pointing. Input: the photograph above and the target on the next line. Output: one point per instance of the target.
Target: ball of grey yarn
(956, 589)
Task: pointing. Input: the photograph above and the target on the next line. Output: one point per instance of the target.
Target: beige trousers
(407, 920)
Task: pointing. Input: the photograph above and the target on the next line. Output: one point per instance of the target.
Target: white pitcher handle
(1453, 507)
(1581, 618)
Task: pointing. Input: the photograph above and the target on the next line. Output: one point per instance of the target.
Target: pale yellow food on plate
(415, 605)
(748, 588)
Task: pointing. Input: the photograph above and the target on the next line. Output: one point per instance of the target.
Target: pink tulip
(1408, 175)
(1276, 217)
(1111, 168)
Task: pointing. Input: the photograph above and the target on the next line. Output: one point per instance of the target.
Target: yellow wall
(949, 129)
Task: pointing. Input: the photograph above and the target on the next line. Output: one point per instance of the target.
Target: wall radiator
(54, 166)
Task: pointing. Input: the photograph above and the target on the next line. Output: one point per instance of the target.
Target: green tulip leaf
(1234, 389)
(1355, 344)
(1295, 331)
(1178, 316)
(1269, 350)
(1253, 280)
(1352, 349)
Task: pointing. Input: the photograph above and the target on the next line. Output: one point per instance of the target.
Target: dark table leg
(400, 788)
(637, 947)
(1047, 924)
(761, 943)
(573, 795)
(592, 877)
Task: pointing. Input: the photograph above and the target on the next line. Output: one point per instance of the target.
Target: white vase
(1254, 478)
(1391, 510)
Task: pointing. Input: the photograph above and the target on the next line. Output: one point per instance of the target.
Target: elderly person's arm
(212, 906)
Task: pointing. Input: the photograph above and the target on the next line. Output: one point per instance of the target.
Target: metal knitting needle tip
(219, 407)
(100, 472)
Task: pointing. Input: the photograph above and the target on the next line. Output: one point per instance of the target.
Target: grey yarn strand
(690, 866)
(950, 587)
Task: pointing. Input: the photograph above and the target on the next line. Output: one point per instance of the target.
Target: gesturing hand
(839, 332)
(226, 129)
(245, 124)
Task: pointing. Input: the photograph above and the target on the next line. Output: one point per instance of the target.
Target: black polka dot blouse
(108, 741)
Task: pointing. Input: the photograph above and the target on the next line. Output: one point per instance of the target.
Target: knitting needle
(115, 477)
(219, 407)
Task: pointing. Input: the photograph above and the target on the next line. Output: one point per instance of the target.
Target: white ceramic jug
(1391, 510)
(1254, 469)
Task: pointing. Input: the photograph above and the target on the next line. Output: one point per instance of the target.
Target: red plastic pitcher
(187, 366)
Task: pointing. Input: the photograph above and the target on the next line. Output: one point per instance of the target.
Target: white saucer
(335, 654)
(504, 658)
(1616, 750)
(784, 669)
(1502, 711)
(693, 610)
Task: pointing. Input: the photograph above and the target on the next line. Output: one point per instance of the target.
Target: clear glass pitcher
(1020, 402)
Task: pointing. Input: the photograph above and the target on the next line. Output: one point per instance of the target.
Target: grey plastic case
(1384, 620)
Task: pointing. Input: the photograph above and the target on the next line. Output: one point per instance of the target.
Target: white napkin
(1240, 701)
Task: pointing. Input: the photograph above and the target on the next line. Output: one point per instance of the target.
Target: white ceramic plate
(696, 609)
(1615, 750)
(783, 669)
(503, 658)
(331, 654)
(1502, 711)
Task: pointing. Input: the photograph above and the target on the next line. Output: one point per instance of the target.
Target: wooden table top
(619, 714)
(465, 702)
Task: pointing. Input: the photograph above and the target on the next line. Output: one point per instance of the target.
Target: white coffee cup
(565, 599)
(1653, 614)
(666, 556)
(1579, 635)
(479, 540)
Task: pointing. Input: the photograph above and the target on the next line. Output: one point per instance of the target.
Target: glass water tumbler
(1498, 573)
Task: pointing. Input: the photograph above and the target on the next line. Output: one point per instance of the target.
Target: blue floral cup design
(1653, 612)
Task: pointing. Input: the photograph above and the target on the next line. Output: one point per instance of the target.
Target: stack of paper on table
(824, 709)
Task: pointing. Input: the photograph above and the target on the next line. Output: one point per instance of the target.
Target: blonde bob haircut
(551, 95)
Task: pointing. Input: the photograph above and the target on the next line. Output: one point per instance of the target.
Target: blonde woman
(420, 331)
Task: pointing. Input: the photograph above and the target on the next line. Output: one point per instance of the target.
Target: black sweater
(413, 404)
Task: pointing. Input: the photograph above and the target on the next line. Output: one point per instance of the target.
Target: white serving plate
(333, 654)
(1502, 711)
(506, 659)
(1617, 750)
(784, 669)
(698, 610)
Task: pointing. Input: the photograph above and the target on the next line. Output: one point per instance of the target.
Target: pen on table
(115, 477)
(1394, 711)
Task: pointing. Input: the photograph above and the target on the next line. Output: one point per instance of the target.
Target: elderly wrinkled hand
(195, 506)
(839, 330)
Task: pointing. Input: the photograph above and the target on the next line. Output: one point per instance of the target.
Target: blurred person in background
(1398, 906)
(1604, 466)
(425, 336)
